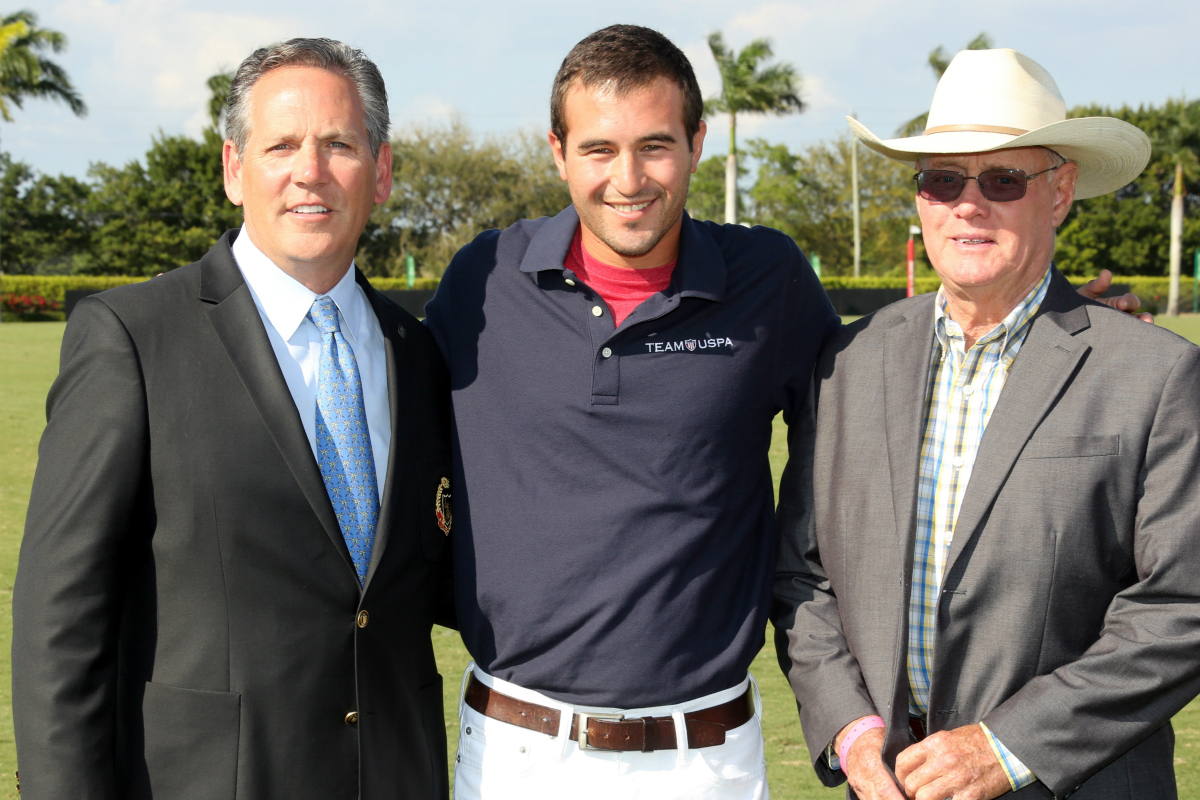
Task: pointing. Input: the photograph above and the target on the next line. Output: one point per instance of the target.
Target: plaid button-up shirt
(964, 386)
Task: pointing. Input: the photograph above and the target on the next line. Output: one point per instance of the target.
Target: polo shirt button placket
(606, 369)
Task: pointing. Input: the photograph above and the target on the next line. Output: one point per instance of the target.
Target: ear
(560, 158)
(232, 166)
(383, 173)
(1064, 191)
(698, 145)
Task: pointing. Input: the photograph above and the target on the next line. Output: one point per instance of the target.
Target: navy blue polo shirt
(613, 512)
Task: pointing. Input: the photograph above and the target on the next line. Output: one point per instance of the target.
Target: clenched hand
(958, 764)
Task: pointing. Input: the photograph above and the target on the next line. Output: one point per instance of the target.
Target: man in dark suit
(237, 540)
(993, 585)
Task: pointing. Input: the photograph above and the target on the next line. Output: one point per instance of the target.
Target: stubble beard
(610, 235)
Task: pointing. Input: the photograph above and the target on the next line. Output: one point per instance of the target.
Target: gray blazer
(187, 623)
(1069, 621)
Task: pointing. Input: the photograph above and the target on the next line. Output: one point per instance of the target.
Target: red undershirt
(622, 289)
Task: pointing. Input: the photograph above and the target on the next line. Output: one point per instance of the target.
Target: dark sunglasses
(1000, 185)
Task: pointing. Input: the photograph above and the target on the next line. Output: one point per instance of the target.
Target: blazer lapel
(906, 356)
(399, 364)
(1042, 369)
(239, 327)
(906, 353)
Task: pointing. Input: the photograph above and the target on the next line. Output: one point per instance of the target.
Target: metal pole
(1, 278)
(411, 270)
(854, 192)
(1176, 248)
(913, 230)
(731, 175)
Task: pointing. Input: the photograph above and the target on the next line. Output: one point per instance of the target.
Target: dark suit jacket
(1069, 621)
(187, 622)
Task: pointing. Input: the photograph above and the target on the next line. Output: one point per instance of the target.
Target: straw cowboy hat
(996, 99)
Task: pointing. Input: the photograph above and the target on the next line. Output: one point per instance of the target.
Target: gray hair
(324, 54)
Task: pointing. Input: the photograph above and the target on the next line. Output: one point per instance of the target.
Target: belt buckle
(581, 734)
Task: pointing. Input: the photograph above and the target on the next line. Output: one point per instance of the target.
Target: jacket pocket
(1072, 446)
(182, 743)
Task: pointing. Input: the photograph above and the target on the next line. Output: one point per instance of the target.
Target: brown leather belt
(705, 728)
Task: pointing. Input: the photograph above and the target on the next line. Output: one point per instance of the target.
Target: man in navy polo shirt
(615, 373)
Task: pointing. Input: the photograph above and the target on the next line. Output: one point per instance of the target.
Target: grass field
(28, 364)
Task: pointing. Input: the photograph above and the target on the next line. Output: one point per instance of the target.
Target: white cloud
(141, 64)
(154, 54)
(424, 109)
(775, 19)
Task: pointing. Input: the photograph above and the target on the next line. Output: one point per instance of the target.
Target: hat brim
(1110, 152)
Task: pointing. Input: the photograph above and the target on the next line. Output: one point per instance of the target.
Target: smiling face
(986, 249)
(306, 177)
(627, 163)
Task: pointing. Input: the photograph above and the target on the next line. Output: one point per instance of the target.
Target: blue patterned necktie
(343, 442)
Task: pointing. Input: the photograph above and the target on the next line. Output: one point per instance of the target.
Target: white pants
(497, 761)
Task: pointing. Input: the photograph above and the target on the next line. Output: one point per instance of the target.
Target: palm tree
(218, 87)
(26, 72)
(1180, 142)
(746, 89)
(938, 62)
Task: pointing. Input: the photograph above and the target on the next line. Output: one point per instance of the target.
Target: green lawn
(28, 363)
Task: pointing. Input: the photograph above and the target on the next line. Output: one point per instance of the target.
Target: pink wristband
(862, 726)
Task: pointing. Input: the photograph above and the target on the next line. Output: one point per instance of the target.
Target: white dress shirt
(284, 303)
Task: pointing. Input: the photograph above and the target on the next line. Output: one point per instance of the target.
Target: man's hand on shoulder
(864, 767)
(958, 763)
(1129, 303)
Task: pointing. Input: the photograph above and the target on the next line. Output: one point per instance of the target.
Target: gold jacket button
(363, 618)
(352, 718)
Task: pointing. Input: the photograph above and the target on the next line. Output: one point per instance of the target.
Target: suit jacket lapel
(398, 364)
(1042, 369)
(238, 325)
(906, 356)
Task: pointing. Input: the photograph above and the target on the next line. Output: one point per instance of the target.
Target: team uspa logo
(441, 506)
(690, 345)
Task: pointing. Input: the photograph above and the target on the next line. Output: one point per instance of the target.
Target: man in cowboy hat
(990, 542)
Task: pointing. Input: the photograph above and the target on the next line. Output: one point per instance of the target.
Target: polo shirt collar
(699, 272)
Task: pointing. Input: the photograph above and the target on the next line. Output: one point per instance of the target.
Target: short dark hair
(324, 54)
(628, 57)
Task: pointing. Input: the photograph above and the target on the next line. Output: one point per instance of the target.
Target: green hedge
(920, 285)
(1152, 290)
(54, 287)
(400, 284)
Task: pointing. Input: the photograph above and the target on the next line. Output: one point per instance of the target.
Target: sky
(141, 65)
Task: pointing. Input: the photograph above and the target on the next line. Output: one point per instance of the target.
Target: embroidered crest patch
(441, 506)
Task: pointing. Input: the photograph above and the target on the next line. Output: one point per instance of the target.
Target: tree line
(449, 184)
(806, 194)
(158, 213)
(166, 210)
